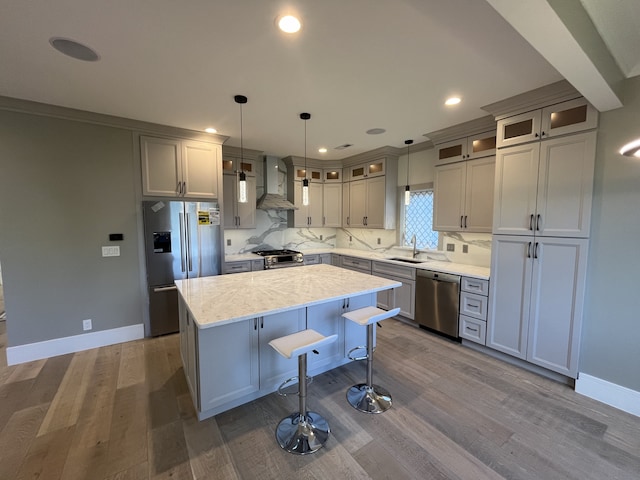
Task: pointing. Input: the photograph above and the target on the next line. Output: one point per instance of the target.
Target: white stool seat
(300, 343)
(368, 315)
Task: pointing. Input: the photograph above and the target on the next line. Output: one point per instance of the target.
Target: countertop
(434, 265)
(223, 299)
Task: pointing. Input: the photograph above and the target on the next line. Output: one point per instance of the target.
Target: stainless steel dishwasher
(437, 301)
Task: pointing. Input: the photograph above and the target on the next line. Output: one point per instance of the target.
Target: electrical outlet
(451, 247)
(465, 248)
(378, 241)
(111, 251)
(228, 242)
(350, 238)
(320, 237)
(86, 324)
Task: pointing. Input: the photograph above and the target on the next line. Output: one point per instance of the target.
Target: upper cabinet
(237, 214)
(375, 168)
(179, 168)
(332, 175)
(560, 119)
(313, 174)
(545, 188)
(476, 146)
(463, 193)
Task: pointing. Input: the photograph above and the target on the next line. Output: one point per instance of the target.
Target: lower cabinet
(536, 300)
(473, 309)
(244, 266)
(404, 296)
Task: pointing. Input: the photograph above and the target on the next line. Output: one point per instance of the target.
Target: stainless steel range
(281, 258)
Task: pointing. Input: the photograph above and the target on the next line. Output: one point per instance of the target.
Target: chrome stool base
(368, 399)
(302, 434)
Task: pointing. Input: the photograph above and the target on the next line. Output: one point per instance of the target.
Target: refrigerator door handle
(188, 229)
(180, 216)
(164, 289)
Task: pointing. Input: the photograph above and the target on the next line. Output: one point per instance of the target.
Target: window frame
(402, 241)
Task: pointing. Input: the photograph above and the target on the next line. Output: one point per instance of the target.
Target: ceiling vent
(346, 145)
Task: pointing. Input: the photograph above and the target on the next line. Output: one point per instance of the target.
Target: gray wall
(64, 186)
(611, 332)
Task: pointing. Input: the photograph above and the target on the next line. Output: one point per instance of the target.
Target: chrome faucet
(413, 242)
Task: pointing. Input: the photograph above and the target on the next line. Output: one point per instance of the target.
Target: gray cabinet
(473, 309)
(466, 148)
(404, 296)
(236, 214)
(537, 294)
(179, 168)
(244, 266)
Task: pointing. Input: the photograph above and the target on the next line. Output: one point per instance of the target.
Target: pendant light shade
(242, 177)
(407, 190)
(305, 182)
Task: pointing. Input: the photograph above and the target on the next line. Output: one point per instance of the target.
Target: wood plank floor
(123, 412)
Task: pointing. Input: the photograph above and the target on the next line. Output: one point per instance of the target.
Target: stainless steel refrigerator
(182, 240)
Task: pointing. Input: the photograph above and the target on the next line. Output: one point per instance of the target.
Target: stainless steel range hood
(274, 186)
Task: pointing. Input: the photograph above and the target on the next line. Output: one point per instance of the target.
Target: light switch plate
(111, 251)
(451, 247)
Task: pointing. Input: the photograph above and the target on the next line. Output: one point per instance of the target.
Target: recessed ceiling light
(322, 150)
(74, 49)
(452, 101)
(289, 24)
(210, 130)
(631, 149)
(376, 131)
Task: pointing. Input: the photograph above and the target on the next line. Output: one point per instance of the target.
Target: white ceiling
(355, 65)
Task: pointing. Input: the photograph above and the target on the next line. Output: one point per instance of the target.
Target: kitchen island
(227, 321)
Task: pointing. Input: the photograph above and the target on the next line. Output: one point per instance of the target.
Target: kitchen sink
(406, 260)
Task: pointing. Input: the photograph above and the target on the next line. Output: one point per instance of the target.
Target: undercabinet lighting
(452, 101)
(210, 130)
(631, 149)
(289, 24)
(322, 150)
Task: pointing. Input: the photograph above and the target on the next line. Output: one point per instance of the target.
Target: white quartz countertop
(223, 299)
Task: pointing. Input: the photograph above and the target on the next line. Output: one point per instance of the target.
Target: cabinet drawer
(473, 329)
(237, 267)
(475, 285)
(257, 265)
(473, 305)
(385, 268)
(311, 259)
(357, 263)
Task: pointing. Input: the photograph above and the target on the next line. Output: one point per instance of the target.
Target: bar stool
(367, 397)
(301, 432)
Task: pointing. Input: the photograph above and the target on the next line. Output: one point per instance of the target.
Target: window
(418, 220)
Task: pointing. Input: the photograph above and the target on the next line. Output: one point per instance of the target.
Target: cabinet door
(346, 214)
(247, 211)
(448, 195)
(357, 203)
(357, 172)
(316, 204)
(326, 319)
(568, 117)
(376, 168)
(376, 202)
(332, 204)
(274, 368)
(161, 160)
(481, 145)
(508, 317)
(516, 182)
(557, 296)
(451, 152)
(228, 359)
(332, 175)
(565, 186)
(229, 183)
(519, 129)
(300, 216)
(200, 169)
(478, 210)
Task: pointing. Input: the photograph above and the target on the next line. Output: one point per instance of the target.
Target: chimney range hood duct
(272, 200)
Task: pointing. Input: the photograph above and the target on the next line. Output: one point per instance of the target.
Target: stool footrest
(357, 359)
(289, 382)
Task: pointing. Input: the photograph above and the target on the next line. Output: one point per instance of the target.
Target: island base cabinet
(229, 363)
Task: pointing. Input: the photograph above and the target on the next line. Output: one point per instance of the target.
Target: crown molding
(540, 97)
(247, 153)
(472, 127)
(44, 109)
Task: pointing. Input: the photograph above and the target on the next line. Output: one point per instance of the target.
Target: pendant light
(631, 149)
(242, 178)
(407, 190)
(305, 182)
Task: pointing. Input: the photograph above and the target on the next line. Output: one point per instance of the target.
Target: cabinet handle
(179, 188)
(536, 135)
(324, 220)
(348, 220)
(461, 217)
(529, 250)
(543, 134)
(535, 252)
(531, 222)
(465, 221)
(261, 322)
(348, 303)
(255, 323)
(472, 329)
(184, 188)
(538, 220)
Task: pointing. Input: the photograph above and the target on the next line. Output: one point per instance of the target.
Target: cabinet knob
(536, 135)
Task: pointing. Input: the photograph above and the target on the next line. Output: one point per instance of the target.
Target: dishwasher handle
(438, 276)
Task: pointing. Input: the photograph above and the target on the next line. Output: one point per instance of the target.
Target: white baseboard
(76, 343)
(617, 396)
